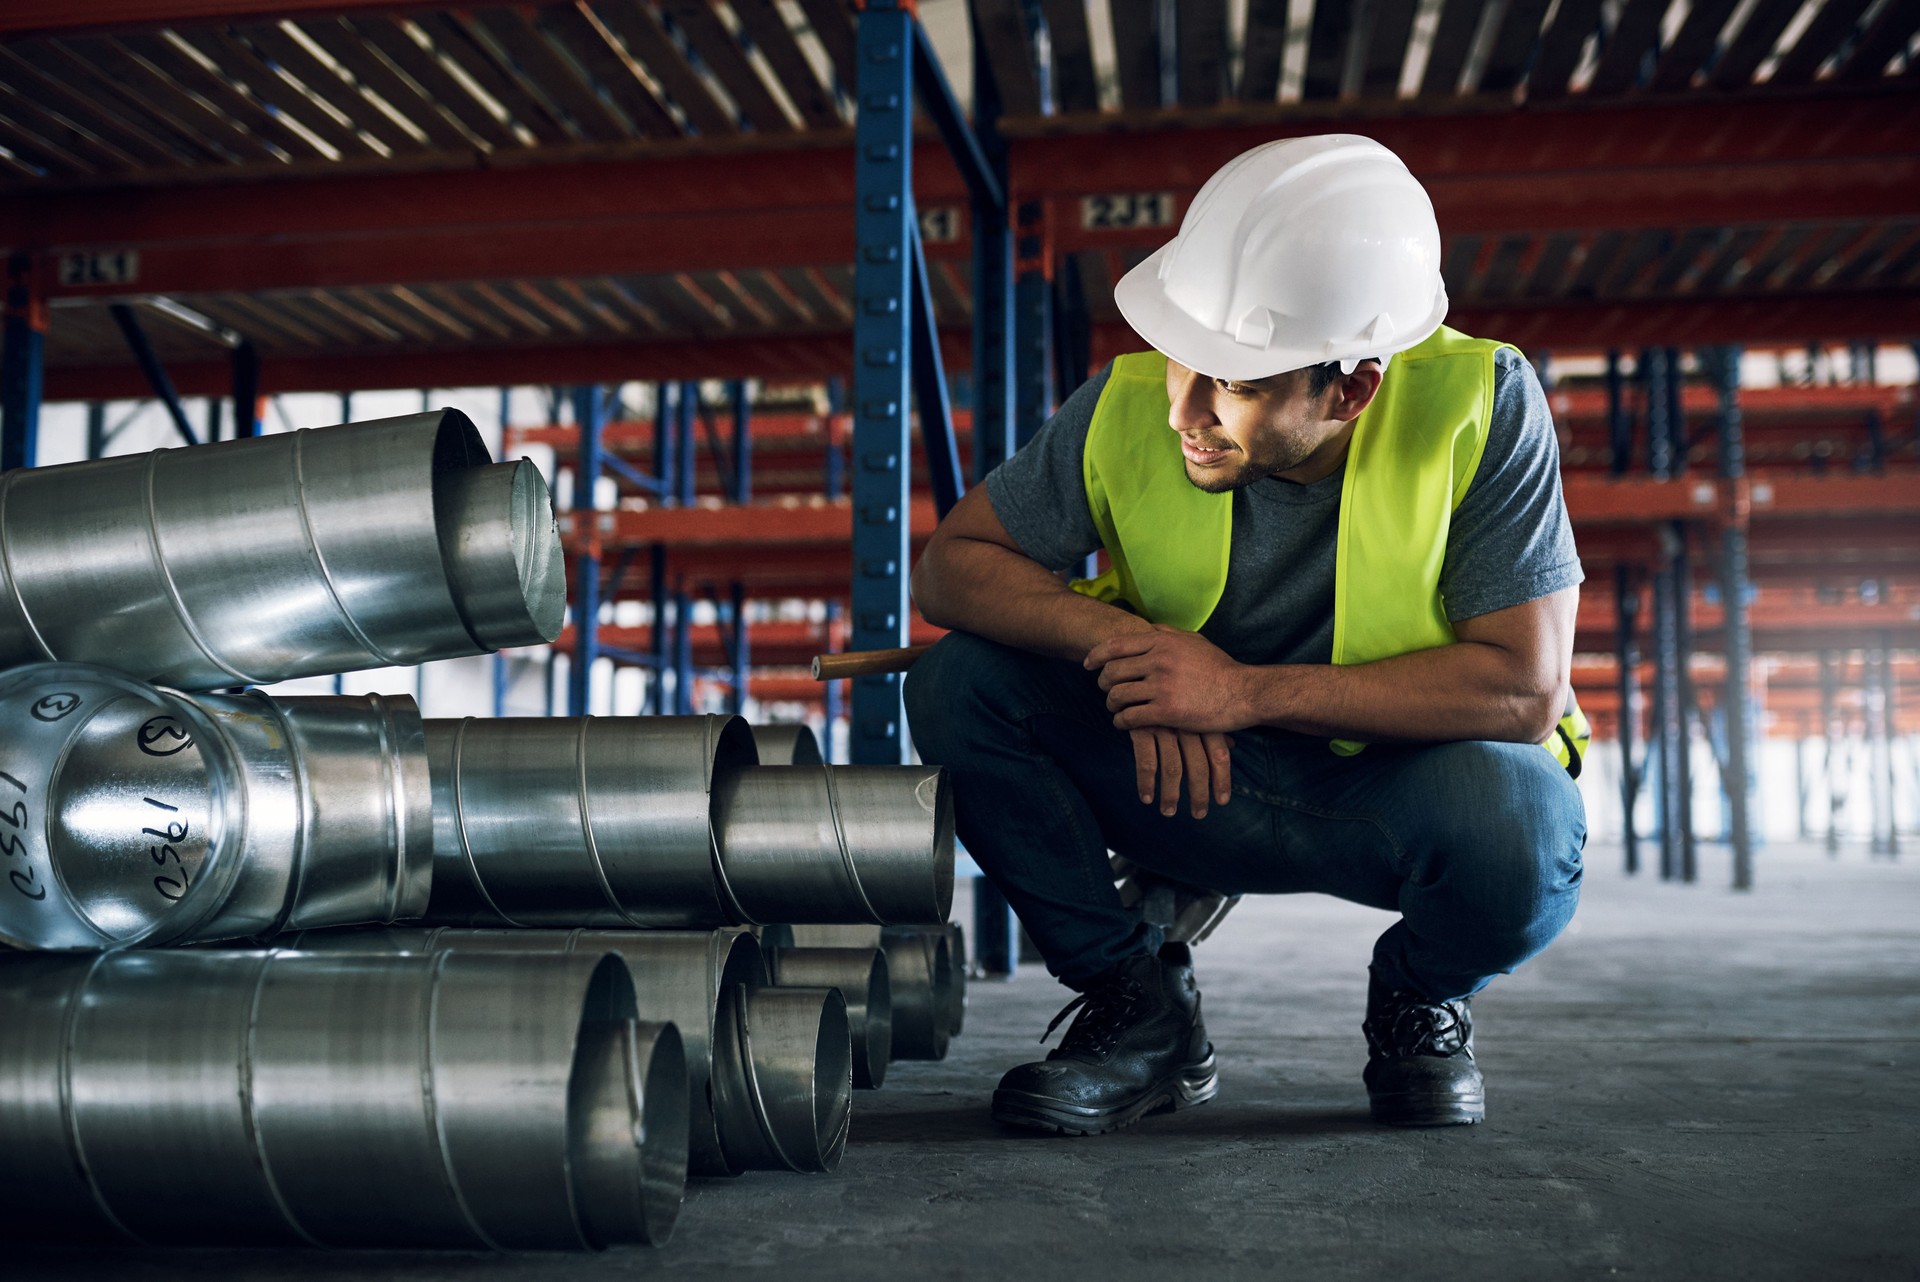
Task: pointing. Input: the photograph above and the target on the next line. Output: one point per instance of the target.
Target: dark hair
(1321, 377)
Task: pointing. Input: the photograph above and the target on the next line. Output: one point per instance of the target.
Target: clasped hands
(1178, 696)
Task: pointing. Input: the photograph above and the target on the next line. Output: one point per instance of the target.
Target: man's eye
(1231, 388)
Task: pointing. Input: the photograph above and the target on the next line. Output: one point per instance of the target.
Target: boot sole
(1401, 1111)
(1193, 1084)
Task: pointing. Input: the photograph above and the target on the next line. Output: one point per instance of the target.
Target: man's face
(1233, 434)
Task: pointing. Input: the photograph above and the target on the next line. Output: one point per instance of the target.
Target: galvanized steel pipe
(956, 1004)
(698, 980)
(787, 743)
(247, 562)
(861, 976)
(796, 1046)
(458, 1100)
(580, 821)
(837, 843)
(131, 814)
(920, 965)
(814, 935)
(666, 822)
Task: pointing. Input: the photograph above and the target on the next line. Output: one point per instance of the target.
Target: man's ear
(1352, 393)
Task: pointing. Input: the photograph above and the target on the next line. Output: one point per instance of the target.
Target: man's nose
(1191, 406)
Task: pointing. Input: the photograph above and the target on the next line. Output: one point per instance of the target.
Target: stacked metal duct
(463, 1100)
(956, 1003)
(246, 562)
(788, 743)
(837, 843)
(926, 979)
(922, 962)
(135, 815)
(768, 1070)
(925, 987)
(514, 1088)
(862, 976)
(667, 822)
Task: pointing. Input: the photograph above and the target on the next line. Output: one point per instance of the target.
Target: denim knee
(949, 692)
(1514, 823)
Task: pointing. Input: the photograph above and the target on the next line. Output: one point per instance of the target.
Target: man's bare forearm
(992, 591)
(1462, 691)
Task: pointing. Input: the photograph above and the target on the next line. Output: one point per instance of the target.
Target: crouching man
(1331, 653)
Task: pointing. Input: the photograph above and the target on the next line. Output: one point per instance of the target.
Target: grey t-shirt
(1509, 541)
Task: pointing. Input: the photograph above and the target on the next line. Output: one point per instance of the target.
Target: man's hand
(1162, 758)
(1173, 679)
(1176, 694)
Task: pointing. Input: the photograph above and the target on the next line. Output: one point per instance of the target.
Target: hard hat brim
(1175, 334)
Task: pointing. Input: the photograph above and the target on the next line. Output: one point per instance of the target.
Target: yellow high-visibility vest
(1413, 454)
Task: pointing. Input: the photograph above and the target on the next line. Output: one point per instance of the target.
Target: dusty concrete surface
(1690, 1084)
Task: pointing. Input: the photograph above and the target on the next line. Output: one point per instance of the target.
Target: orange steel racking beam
(820, 522)
(633, 438)
(1580, 405)
(1750, 320)
(1635, 500)
(780, 205)
(777, 643)
(826, 354)
(1693, 322)
(1590, 501)
(780, 357)
(1663, 164)
(1792, 408)
(1667, 165)
(1834, 548)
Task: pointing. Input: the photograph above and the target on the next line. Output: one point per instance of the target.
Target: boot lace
(1106, 1012)
(1412, 1026)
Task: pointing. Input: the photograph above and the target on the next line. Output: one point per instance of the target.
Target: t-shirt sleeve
(1040, 494)
(1510, 541)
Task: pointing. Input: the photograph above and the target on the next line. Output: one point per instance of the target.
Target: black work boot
(1137, 1047)
(1420, 1069)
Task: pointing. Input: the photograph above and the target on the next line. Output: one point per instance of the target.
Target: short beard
(1217, 481)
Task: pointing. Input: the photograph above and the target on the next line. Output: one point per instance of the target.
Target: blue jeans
(1476, 845)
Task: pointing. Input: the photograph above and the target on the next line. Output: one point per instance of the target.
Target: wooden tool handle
(864, 663)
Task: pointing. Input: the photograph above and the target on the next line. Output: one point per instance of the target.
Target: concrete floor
(1690, 1084)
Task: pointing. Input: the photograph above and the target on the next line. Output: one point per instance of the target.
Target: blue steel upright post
(993, 405)
(245, 363)
(883, 231)
(742, 406)
(21, 346)
(666, 409)
(1669, 600)
(996, 941)
(1626, 596)
(684, 461)
(589, 413)
(501, 678)
(993, 390)
(1033, 329)
(996, 416)
(1737, 626)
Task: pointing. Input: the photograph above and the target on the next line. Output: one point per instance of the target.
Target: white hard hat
(1295, 253)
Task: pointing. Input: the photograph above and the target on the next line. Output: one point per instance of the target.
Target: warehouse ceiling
(382, 195)
(415, 89)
